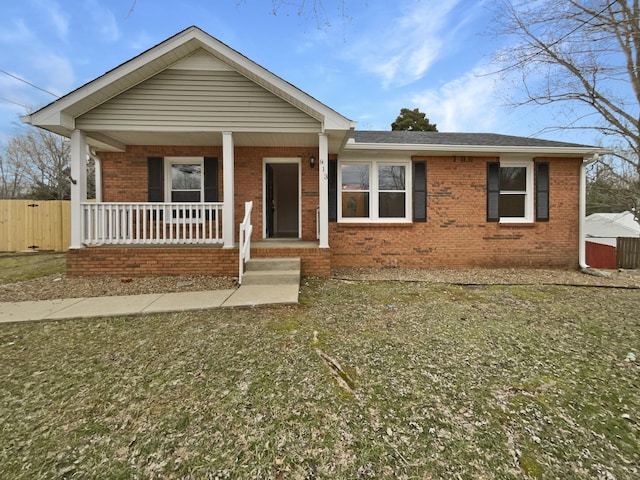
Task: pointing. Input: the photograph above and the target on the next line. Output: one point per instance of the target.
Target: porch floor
(265, 243)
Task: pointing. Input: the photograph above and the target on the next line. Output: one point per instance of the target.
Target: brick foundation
(146, 260)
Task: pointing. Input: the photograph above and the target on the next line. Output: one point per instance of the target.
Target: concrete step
(271, 277)
(272, 271)
(266, 264)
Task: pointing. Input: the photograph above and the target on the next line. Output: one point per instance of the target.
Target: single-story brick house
(187, 133)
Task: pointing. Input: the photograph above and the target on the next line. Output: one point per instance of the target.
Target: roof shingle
(458, 139)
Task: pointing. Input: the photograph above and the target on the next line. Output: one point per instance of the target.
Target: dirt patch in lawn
(500, 276)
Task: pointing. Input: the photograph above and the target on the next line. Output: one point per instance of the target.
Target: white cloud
(55, 15)
(404, 51)
(103, 21)
(142, 41)
(465, 104)
(58, 71)
(18, 33)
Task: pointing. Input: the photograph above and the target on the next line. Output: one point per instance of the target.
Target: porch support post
(228, 210)
(78, 185)
(323, 187)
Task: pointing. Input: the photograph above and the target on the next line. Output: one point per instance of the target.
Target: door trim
(292, 160)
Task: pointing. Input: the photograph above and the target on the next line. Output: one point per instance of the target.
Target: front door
(282, 199)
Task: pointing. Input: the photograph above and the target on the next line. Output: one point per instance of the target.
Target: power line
(15, 103)
(29, 83)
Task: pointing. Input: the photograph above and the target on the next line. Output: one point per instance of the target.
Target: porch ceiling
(240, 139)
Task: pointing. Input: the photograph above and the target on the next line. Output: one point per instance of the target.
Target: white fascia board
(50, 118)
(342, 124)
(486, 149)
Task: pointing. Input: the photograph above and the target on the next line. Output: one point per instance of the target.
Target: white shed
(604, 228)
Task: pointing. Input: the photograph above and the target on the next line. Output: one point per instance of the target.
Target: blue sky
(367, 62)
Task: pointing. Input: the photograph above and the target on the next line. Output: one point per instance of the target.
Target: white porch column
(228, 210)
(323, 188)
(78, 184)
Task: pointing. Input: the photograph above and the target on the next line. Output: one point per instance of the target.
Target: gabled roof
(463, 143)
(59, 115)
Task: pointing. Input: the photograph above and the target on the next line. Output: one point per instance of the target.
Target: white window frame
(171, 214)
(374, 210)
(168, 164)
(529, 193)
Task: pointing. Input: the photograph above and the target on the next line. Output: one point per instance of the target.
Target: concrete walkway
(245, 296)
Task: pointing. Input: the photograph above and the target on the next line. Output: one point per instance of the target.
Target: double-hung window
(512, 185)
(374, 191)
(184, 183)
(185, 179)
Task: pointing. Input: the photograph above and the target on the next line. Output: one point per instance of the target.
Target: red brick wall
(124, 175)
(249, 182)
(134, 261)
(124, 178)
(457, 235)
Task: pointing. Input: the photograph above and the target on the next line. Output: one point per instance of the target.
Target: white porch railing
(151, 223)
(245, 239)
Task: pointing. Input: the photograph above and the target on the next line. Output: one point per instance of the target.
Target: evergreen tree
(414, 121)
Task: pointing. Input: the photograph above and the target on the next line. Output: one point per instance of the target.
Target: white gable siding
(201, 99)
(201, 60)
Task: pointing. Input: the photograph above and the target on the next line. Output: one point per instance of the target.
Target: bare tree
(585, 55)
(609, 191)
(12, 178)
(314, 10)
(45, 159)
(36, 164)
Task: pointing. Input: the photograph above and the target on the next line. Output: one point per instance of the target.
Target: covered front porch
(132, 174)
(128, 238)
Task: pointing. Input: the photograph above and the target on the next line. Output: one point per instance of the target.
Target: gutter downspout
(98, 175)
(582, 250)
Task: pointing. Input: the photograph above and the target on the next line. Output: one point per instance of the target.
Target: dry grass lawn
(361, 380)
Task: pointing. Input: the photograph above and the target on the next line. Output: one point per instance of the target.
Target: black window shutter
(419, 191)
(210, 179)
(493, 192)
(542, 192)
(154, 179)
(333, 190)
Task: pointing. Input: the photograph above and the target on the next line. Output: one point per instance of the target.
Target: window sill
(517, 224)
